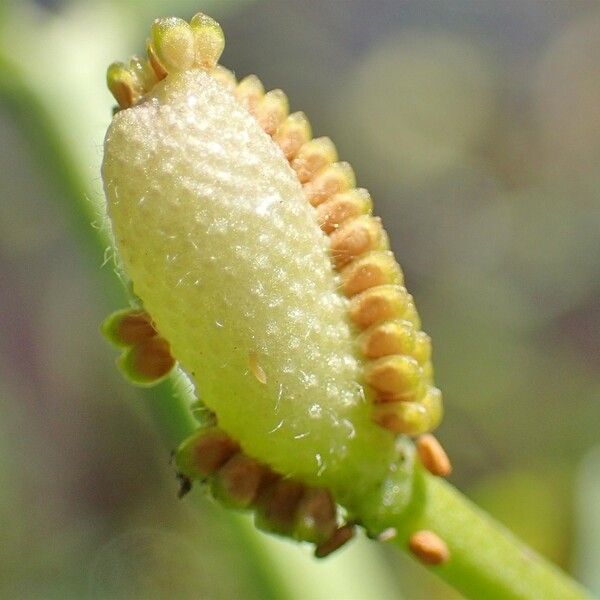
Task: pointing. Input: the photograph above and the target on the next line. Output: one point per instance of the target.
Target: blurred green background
(476, 127)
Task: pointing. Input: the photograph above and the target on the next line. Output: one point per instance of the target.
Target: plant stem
(486, 560)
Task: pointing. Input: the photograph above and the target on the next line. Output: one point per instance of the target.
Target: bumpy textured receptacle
(214, 231)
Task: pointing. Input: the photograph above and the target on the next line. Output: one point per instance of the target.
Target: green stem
(486, 560)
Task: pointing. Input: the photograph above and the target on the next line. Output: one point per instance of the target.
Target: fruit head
(263, 272)
(213, 229)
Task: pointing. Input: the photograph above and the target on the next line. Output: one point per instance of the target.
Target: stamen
(376, 268)
(153, 61)
(272, 110)
(336, 178)
(385, 339)
(433, 456)
(355, 238)
(342, 207)
(250, 92)
(238, 481)
(205, 452)
(340, 537)
(316, 516)
(128, 327)
(142, 73)
(292, 134)
(432, 402)
(173, 41)
(209, 40)
(278, 505)
(409, 418)
(121, 85)
(422, 351)
(395, 377)
(312, 157)
(148, 362)
(378, 304)
(429, 548)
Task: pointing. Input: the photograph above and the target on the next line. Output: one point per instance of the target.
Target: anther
(173, 41)
(384, 339)
(135, 327)
(128, 327)
(277, 506)
(395, 377)
(154, 62)
(422, 350)
(250, 92)
(143, 74)
(409, 418)
(378, 304)
(238, 481)
(148, 362)
(340, 208)
(315, 516)
(355, 238)
(373, 269)
(432, 403)
(121, 85)
(209, 40)
(272, 110)
(433, 456)
(341, 536)
(204, 453)
(429, 548)
(312, 157)
(292, 134)
(336, 178)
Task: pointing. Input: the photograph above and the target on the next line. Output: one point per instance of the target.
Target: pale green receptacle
(225, 252)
